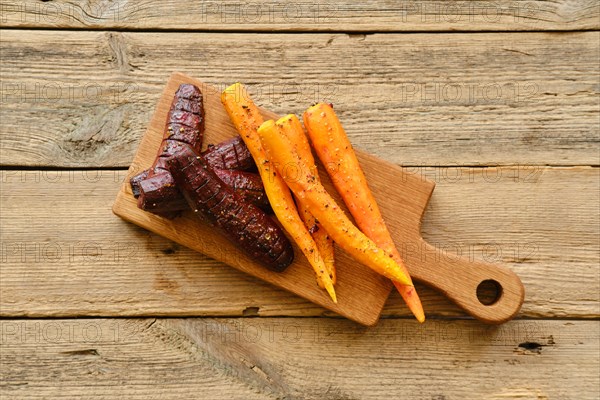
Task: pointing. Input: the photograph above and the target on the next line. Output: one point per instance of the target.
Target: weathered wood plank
(306, 358)
(65, 254)
(338, 15)
(419, 99)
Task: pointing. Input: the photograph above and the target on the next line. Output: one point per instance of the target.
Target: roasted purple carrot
(230, 154)
(247, 184)
(160, 195)
(135, 182)
(184, 126)
(242, 222)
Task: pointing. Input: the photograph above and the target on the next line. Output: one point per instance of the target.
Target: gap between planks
(348, 32)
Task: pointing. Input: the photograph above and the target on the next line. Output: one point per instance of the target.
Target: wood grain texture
(403, 197)
(338, 15)
(361, 292)
(83, 100)
(65, 254)
(419, 99)
(306, 358)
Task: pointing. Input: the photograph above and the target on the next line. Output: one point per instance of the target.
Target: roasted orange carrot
(247, 118)
(291, 127)
(335, 151)
(324, 208)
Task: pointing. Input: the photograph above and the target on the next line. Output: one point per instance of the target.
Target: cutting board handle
(459, 277)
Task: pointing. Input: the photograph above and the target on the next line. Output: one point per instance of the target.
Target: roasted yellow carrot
(291, 127)
(325, 209)
(335, 151)
(247, 118)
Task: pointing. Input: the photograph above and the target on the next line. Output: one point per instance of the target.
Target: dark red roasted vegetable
(135, 182)
(158, 194)
(184, 126)
(230, 154)
(247, 184)
(243, 223)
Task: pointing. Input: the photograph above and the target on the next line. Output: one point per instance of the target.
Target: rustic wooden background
(498, 102)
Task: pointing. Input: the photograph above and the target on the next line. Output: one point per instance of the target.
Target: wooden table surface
(498, 102)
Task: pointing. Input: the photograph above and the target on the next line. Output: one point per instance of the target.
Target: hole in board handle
(489, 292)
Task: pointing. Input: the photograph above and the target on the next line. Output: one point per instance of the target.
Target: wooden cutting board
(361, 293)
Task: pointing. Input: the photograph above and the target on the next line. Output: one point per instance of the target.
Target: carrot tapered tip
(331, 292)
